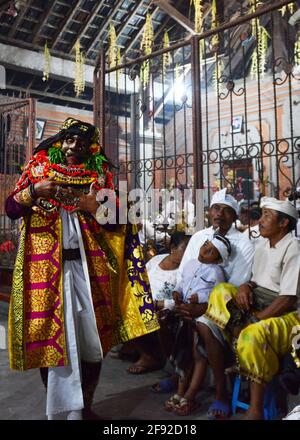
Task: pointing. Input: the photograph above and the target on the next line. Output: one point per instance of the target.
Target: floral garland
(52, 162)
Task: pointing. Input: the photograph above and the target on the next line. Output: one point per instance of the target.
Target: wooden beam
(19, 18)
(163, 25)
(37, 48)
(50, 95)
(42, 21)
(105, 25)
(130, 15)
(176, 15)
(65, 23)
(93, 12)
(140, 32)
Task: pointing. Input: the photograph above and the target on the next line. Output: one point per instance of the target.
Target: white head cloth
(279, 205)
(222, 248)
(225, 199)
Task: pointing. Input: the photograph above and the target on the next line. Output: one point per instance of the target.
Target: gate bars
(217, 110)
(17, 137)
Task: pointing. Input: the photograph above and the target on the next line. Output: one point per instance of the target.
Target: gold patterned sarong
(260, 345)
(120, 289)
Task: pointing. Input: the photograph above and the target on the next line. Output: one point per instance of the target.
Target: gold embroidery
(16, 317)
(24, 197)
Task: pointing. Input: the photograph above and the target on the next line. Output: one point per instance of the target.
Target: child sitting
(199, 277)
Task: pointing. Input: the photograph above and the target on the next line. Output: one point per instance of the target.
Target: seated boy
(199, 277)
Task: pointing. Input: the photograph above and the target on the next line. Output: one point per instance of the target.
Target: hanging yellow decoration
(290, 7)
(113, 49)
(79, 82)
(198, 7)
(47, 62)
(146, 48)
(259, 56)
(166, 55)
(114, 52)
(214, 23)
(297, 51)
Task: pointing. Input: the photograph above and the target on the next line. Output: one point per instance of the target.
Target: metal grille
(16, 140)
(222, 113)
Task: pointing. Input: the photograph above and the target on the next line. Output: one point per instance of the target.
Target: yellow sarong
(259, 346)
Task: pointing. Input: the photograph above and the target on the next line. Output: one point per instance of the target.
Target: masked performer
(79, 287)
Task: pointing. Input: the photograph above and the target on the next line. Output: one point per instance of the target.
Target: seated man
(223, 212)
(260, 317)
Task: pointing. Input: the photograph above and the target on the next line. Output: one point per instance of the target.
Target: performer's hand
(87, 202)
(46, 189)
(244, 297)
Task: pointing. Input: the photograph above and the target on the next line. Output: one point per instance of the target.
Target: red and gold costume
(120, 289)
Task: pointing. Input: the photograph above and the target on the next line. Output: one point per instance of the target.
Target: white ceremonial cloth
(238, 266)
(64, 391)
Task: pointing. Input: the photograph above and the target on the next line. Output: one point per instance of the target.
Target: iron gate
(17, 137)
(217, 110)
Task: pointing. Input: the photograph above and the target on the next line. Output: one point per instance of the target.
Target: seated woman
(162, 272)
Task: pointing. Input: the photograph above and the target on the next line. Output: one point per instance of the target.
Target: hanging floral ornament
(259, 56)
(166, 55)
(47, 62)
(146, 48)
(297, 51)
(114, 52)
(198, 7)
(290, 7)
(113, 48)
(214, 24)
(79, 82)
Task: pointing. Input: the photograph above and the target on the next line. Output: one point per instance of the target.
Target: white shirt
(278, 268)
(162, 281)
(64, 391)
(238, 266)
(199, 278)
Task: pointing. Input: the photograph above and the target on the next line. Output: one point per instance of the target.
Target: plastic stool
(270, 407)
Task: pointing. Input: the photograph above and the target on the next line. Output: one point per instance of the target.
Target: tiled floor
(119, 395)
